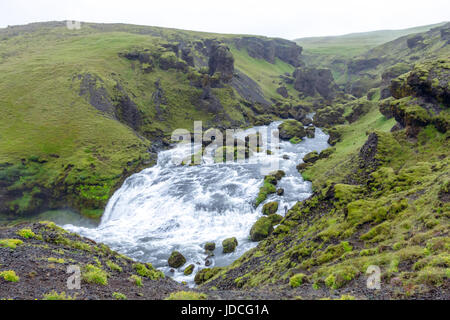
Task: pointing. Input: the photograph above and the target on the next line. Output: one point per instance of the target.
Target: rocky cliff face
(270, 49)
(420, 98)
(221, 60)
(312, 81)
(376, 67)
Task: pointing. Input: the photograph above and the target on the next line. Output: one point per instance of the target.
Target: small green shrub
(114, 266)
(119, 296)
(53, 295)
(26, 233)
(148, 271)
(136, 280)
(93, 274)
(297, 280)
(338, 278)
(187, 295)
(9, 275)
(56, 260)
(10, 243)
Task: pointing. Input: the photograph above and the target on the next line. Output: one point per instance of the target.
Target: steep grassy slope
(83, 109)
(381, 199)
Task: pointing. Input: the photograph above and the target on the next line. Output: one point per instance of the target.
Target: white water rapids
(170, 207)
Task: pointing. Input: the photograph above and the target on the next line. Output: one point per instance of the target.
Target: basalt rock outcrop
(420, 98)
(117, 105)
(358, 65)
(312, 82)
(270, 49)
(221, 60)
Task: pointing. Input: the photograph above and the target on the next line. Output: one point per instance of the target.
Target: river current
(173, 207)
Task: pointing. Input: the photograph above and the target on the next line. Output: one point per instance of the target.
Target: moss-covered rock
(280, 174)
(189, 269)
(268, 187)
(229, 245)
(290, 129)
(311, 157)
(210, 246)
(275, 218)
(358, 108)
(261, 229)
(335, 136)
(270, 208)
(206, 274)
(326, 153)
(329, 116)
(176, 260)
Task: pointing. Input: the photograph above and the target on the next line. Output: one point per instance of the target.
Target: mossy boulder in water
(278, 174)
(189, 269)
(176, 260)
(210, 246)
(268, 187)
(270, 208)
(229, 245)
(311, 132)
(261, 229)
(290, 129)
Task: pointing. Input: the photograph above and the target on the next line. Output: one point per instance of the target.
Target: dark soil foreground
(41, 263)
(40, 254)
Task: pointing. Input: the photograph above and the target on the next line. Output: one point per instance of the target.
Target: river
(172, 207)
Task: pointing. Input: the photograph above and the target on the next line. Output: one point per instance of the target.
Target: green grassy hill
(83, 109)
(335, 52)
(349, 45)
(381, 198)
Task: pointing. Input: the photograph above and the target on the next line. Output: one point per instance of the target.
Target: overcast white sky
(280, 18)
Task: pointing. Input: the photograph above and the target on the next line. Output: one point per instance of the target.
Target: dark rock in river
(210, 246)
(176, 260)
(229, 245)
(270, 208)
(189, 269)
(311, 132)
